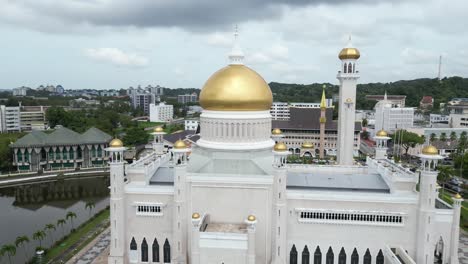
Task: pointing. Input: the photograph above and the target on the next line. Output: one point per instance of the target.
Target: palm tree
(453, 136)
(20, 241)
(71, 215)
(90, 205)
(61, 222)
(49, 228)
(445, 173)
(433, 137)
(39, 235)
(10, 250)
(443, 136)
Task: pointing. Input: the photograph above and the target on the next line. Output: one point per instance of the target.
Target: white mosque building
(231, 198)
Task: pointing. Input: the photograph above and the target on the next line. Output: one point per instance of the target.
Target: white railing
(397, 255)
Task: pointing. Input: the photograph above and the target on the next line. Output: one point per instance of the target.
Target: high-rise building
(10, 119)
(33, 118)
(161, 112)
(391, 118)
(280, 110)
(187, 98)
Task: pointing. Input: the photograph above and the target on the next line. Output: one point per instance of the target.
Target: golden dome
(276, 131)
(382, 133)
(180, 144)
(349, 53)
(195, 216)
(116, 143)
(158, 129)
(307, 145)
(458, 196)
(430, 150)
(236, 88)
(280, 146)
(251, 218)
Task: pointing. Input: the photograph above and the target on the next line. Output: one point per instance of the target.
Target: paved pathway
(463, 248)
(99, 245)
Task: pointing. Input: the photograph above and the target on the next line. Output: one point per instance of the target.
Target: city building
(10, 119)
(235, 199)
(191, 124)
(60, 149)
(458, 120)
(447, 131)
(142, 100)
(438, 119)
(59, 89)
(20, 91)
(83, 103)
(33, 118)
(161, 112)
(395, 100)
(391, 118)
(109, 93)
(187, 98)
(280, 110)
(426, 103)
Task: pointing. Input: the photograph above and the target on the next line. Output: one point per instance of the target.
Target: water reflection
(30, 207)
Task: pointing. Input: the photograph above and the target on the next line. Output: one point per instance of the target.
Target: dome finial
(236, 56)
(323, 102)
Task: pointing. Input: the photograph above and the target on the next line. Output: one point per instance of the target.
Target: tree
(407, 139)
(443, 136)
(61, 222)
(453, 136)
(57, 116)
(49, 228)
(10, 250)
(39, 235)
(20, 241)
(365, 135)
(365, 122)
(444, 173)
(432, 137)
(90, 205)
(71, 215)
(135, 136)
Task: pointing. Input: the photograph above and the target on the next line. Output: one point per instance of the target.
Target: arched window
(367, 257)
(350, 68)
(380, 258)
(330, 256)
(342, 256)
(155, 250)
(167, 252)
(345, 68)
(354, 67)
(318, 256)
(133, 244)
(305, 255)
(354, 257)
(144, 251)
(293, 255)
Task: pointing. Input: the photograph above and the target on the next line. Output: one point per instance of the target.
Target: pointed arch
(342, 256)
(293, 255)
(144, 251)
(367, 257)
(155, 250)
(330, 256)
(318, 256)
(305, 255)
(355, 257)
(133, 244)
(345, 68)
(350, 68)
(167, 252)
(380, 258)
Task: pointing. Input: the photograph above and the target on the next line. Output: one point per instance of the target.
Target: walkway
(93, 250)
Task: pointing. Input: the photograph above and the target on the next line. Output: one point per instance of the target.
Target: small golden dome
(349, 100)
(382, 133)
(307, 145)
(430, 150)
(116, 143)
(236, 88)
(180, 144)
(349, 53)
(458, 196)
(276, 131)
(280, 146)
(195, 216)
(251, 218)
(158, 129)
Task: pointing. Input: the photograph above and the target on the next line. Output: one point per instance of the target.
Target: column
(455, 236)
(196, 221)
(251, 221)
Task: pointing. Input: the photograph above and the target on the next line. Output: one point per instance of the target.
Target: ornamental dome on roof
(116, 143)
(382, 133)
(430, 150)
(307, 145)
(158, 129)
(180, 144)
(276, 131)
(280, 146)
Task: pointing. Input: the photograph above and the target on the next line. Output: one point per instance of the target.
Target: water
(28, 208)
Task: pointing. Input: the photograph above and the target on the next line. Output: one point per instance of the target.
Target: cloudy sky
(107, 44)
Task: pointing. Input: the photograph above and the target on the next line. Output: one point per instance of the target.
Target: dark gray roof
(62, 136)
(336, 181)
(163, 176)
(309, 119)
(179, 135)
(448, 144)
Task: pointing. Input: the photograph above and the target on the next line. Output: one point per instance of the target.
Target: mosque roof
(62, 136)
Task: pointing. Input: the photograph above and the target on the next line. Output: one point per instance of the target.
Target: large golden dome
(236, 88)
(349, 53)
(430, 150)
(382, 133)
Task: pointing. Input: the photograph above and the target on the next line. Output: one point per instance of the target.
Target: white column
(195, 259)
(455, 236)
(179, 225)
(279, 216)
(251, 222)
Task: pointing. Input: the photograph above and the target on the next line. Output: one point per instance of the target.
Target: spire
(349, 44)
(385, 96)
(236, 56)
(323, 102)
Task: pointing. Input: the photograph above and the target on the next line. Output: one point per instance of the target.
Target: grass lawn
(464, 210)
(81, 231)
(149, 124)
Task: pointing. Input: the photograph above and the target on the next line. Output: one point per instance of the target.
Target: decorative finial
(349, 45)
(236, 56)
(385, 95)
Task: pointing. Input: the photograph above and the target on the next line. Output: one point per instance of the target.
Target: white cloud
(116, 57)
(419, 56)
(219, 39)
(277, 52)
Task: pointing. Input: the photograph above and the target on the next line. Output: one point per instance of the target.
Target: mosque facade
(232, 198)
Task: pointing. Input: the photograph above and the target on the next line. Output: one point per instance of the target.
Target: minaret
(280, 152)
(158, 140)
(348, 76)
(179, 228)
(455, 236)
(427, 198)
(381, 139)
(323, 121)
(117, 206)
